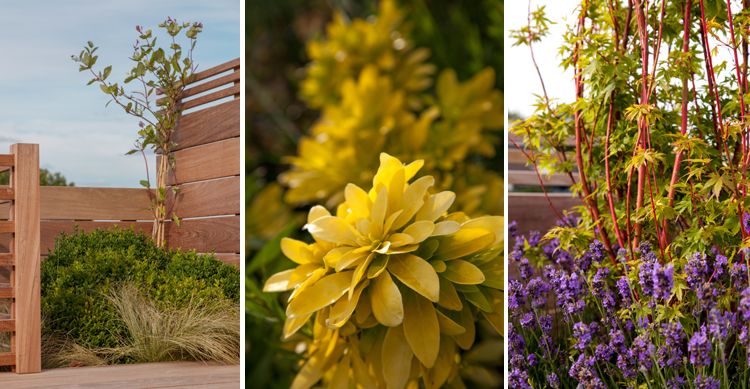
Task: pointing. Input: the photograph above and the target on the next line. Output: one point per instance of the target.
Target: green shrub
(84, 268)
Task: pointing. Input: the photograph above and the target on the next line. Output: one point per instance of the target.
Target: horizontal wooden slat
(6, 259)
(7, 325)
(230, 78)
(210, 72)
(228, 258)
(205, 162)
(532, 211)
(7, 160)
(7, 359)
(6, 226)
(59, 202)
(205, 99)
(527, 177)
(208, 125)
(50, 230)
(208, 198)
(206, 235)
(6, 193)
(6, 293)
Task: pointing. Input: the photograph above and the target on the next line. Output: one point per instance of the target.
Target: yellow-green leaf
(333, 229)
(465, 242)
(420, 230)
(321, 294)
(448, 296)
(462, 272)
(297, 251)
(386, 301)
(396, 358)
(417, 274)
(421, 328)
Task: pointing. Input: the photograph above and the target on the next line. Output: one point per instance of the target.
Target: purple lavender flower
(746, 221)
(596, 249)
(582, 334)
(524, 269)
(517, 296)
(706, 382)
(617, 340)
(603, 352)
(581, 370)
(696, 270)
(513, 229)
(527, 320)
(570, 290)
(676, 383)
(720, 265)
(721, 324)
(744, 307)
(531, 360)
(536, 291)
(738, 275)
(699, 348)
(545, 323)
(626, 364)
(516, 341)
(643, 351)
(663, 281)
(623, 289)
(670, 353)
(553, 381)
(599, 282)
(534, 238)
(518, 378)
(646, 276)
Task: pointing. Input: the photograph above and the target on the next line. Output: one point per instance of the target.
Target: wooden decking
(190, 375)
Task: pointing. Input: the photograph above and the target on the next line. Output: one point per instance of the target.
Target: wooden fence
(207, 172)
(20, 276)
(526, 203)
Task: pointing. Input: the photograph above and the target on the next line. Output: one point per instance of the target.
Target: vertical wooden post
(26, 216)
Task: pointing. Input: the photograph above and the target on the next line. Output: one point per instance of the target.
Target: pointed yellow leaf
(413, 168)
(417, 274)
(379, 209)
(436, 205)
(493, 224)
(340, 379)
(446, 228)
(448, 326)
(321, 294)
(462, 272)
(289, 279)
(357, 200)
(396, 190)
(448, 296)
(396, 359)
(316, 213)
(388, 167)
(312, 278)
(400, 239)
(466, 320)
(413, 200)
(292, 325)
(465, 242)
(385, 299)
(342, 258)
(420, 230)
(342, 310)
(333, 229)
(421, 328)
(390, 220)
(377, 266)
(444, 365)
(297, 251)
(359, 272)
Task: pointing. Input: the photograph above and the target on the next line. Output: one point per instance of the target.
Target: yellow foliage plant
(373, 88)
(393, 283)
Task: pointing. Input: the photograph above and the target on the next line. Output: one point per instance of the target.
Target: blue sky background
(45, 100)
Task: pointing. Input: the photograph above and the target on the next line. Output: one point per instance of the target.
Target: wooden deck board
(149, 375)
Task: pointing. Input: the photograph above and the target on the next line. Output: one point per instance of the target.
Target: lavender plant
(648, 285)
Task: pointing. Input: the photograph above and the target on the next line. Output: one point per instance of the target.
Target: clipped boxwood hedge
(85, 266)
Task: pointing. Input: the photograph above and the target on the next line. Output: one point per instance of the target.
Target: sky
(521, 80)
(44, 99)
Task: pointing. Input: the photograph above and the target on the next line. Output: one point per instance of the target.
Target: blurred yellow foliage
(371, 85)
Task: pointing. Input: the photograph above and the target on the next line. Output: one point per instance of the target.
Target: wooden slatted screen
(526, 204)
(207, 165)
(20, 260)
